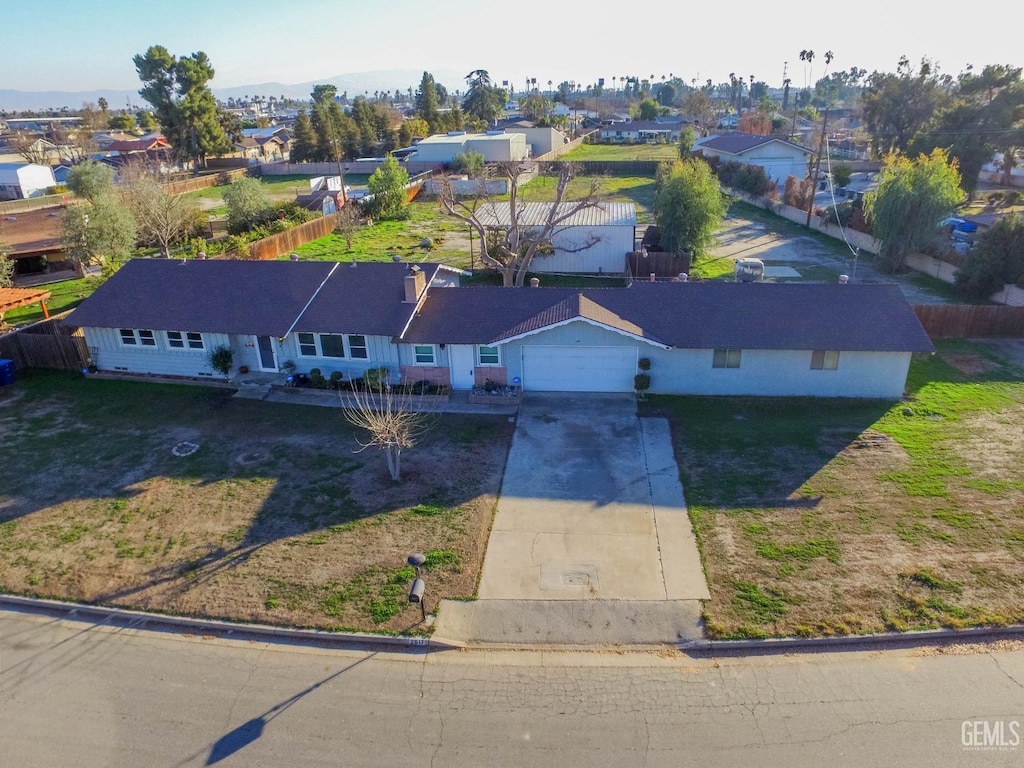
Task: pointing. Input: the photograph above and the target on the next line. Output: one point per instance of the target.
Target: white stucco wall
(761, 372)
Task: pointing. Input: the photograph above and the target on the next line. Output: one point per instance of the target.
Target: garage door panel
(579, 369)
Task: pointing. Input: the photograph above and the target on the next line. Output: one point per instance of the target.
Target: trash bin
(6, 372)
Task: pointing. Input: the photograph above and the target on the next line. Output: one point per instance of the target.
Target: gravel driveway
(740, 237)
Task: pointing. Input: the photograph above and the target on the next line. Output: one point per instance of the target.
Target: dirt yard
(184, 500)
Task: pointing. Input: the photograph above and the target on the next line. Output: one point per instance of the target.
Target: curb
(787, 644)
(222, 629)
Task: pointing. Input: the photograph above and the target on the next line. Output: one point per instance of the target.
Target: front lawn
(274, 518)
(840, 517)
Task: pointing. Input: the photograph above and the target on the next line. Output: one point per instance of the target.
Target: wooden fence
(204, 182)
(662, 264)
(968, 321)
(46, 344)
(287, 241)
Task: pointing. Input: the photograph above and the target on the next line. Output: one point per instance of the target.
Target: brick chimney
(415, 282)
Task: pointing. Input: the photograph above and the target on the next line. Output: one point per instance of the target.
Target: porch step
(252, 391)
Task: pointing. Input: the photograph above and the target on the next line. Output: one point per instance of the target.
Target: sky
(80, 45)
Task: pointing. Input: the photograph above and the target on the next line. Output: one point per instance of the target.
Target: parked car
(958, 224)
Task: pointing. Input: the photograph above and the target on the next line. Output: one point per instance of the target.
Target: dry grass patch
(273, 519)
(821, 517)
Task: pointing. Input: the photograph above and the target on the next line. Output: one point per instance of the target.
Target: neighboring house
(728, 122)
(591, 241)
(778, 157)
(495, 146)
(247, 147)
(103, 139)
(152, 149)
(777, 339)
(22, 180)
(642, 130)
(271, 143)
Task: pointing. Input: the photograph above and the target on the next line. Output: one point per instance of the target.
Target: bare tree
(33, 147)
(163, 218)
(348, 221)
(509, 243)
(385, 412)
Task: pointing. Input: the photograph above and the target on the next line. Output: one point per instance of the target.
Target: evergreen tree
(185, 107)
(688, 206)
(303, 143)
(387, 186)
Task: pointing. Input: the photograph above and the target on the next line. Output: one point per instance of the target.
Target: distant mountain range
(355, 84)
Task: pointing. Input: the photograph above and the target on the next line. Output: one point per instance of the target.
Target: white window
(332, 345)
(175, 340)
(424, 354)
(194, 340)
(726, 358)
(131, 337)
(824, 360)
(488, 355)
(357, 346)
(307, 345)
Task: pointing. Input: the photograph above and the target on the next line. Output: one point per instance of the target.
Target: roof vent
(844, 279)
(456, 133)
(293, 256)
(495, 133)
(353, 264)
(535, 282)
(653, 277)
(396, 258)
(683, 277)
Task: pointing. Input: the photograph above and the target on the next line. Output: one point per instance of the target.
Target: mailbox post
(416, 560)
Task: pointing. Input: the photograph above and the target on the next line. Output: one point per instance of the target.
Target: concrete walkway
(592, 542)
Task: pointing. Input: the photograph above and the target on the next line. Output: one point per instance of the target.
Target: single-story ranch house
(778, 157)
(591, 241)
(164, 317)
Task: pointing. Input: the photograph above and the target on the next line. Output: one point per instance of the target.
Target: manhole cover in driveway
(562, 576)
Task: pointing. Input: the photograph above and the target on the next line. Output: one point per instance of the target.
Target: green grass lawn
(657, 152)
(845, 517)
(63, 296)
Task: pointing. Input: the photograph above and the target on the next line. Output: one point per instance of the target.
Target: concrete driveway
(591, 531)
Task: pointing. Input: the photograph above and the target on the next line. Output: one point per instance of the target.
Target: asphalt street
(85, 695)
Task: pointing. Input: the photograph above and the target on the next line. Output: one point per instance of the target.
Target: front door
(462, 360)
(268, 358)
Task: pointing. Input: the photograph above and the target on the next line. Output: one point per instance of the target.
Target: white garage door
(579, 369)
